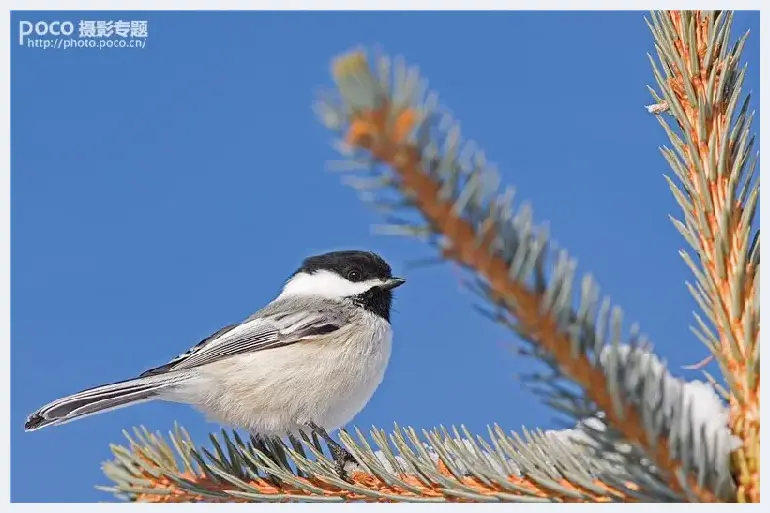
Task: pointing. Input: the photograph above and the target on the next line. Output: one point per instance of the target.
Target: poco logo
(42, 28)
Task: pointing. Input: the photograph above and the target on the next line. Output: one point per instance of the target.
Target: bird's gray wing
(170, 365)
(277, 325)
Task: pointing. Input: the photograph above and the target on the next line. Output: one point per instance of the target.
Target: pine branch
(383, 120)
(437, 467)
(712, 159)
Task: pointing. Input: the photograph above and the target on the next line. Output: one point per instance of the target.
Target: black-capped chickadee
(311, 359)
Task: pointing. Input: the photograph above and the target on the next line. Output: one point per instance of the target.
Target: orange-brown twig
(147, 471)
(714, 199)
(166, 490)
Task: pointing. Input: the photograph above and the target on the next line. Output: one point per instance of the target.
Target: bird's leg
(297, 446)
(261, 443)
(340, 454)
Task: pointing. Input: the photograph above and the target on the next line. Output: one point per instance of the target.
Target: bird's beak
(392, 283)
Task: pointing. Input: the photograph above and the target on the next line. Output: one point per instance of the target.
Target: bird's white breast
(326, 381)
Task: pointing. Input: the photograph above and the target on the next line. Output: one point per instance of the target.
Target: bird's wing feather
(170, 364)
(274, 328)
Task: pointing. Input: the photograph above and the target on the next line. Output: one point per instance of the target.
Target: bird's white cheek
(325, 284)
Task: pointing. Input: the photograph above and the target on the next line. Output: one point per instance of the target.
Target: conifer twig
(534, 467)
(700, 81)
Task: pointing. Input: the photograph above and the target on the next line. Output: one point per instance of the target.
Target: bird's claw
(343, 461)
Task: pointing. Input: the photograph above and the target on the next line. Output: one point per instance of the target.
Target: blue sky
(161, 193)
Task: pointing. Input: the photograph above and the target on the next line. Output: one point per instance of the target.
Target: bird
(310, 360)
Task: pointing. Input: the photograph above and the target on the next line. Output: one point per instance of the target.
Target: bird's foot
(343, 460)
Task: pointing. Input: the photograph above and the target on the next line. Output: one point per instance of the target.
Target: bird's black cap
(366, 264)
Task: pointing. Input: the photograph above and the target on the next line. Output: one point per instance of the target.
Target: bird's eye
(354, 275)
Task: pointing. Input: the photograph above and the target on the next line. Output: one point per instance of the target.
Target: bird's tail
(101, 399)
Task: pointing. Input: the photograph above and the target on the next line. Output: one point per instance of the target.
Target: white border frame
(150, 5)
